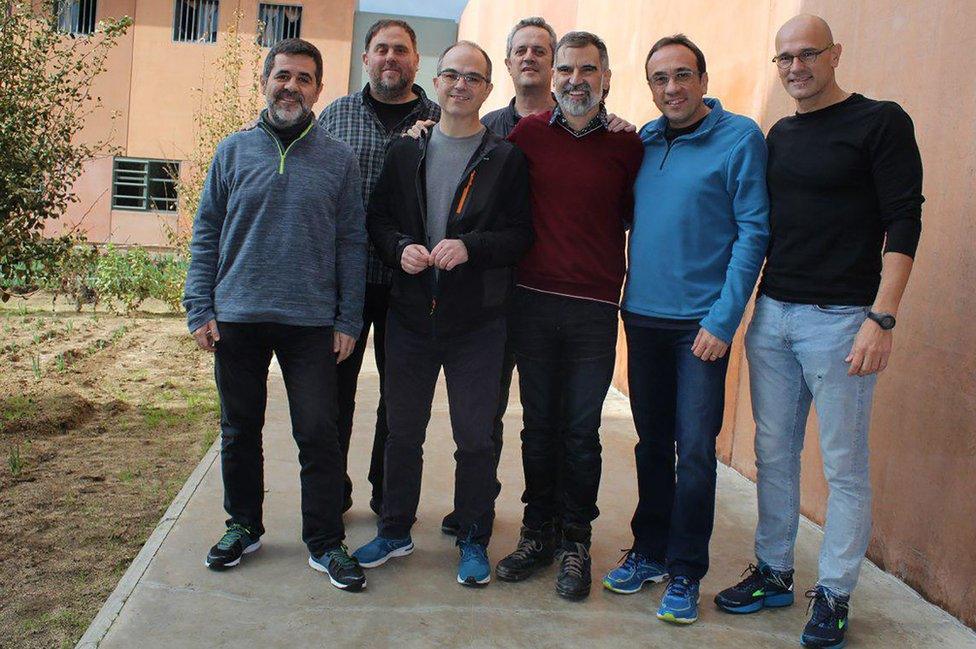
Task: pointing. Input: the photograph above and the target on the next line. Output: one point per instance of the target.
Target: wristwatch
(885, 320)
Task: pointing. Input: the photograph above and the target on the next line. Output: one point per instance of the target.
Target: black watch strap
(885, 320)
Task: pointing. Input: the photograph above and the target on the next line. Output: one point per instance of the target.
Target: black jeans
(472, 365)
(565, 349)
(677, 401)
(347, 376)
(307, 361)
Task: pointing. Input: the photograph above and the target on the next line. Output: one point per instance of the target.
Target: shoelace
(340, 555)
(631, 559)
(826, 607)
(678, 587)
(572, 560)
(525, 548)
(754, 580)
(234, 533)
(471, 550)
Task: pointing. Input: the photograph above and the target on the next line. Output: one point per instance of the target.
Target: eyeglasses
(471, 78)
(807, 57)
(682, 78)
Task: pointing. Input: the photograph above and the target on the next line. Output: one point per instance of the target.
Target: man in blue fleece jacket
(699, 236)
(278, 266)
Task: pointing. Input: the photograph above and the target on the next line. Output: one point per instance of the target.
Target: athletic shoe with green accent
(828, 620)
(234, 544)
(763, 587)
(680, 602)
(634, 571)
(344, 572)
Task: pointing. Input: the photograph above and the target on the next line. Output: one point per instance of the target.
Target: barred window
(195, 21)
(140, 184)
(280, 22)
(75, 17)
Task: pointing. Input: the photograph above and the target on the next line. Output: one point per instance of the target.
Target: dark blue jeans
(472, 365)
(677, 402)
(565, 351)
(308, 366)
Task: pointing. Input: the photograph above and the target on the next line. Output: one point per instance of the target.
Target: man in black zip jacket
(451, 212)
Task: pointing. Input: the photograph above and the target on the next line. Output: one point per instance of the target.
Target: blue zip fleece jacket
(701, 222)
(280, 234)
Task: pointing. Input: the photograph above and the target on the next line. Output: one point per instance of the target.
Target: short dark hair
(677, 39)
(471, 44)
(582, 39)
(390, 22)
(293, 46)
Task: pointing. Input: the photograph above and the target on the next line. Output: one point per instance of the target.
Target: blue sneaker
(680, 602)
(473, 566)
(343, 571)
(828, 621)
(762, 588)
(634, 571)
(376, 552)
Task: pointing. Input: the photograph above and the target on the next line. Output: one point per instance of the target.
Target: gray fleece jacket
(280, 234)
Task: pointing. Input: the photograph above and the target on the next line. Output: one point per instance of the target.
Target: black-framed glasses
(473, 79)
(807, 57)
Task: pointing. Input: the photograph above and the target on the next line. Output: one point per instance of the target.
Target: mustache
(293, 96)
(568, 88)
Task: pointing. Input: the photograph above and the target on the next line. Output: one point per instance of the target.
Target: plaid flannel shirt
(353, 120)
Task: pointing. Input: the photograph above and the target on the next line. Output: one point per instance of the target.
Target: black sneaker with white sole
(344, 572)
(234, 544)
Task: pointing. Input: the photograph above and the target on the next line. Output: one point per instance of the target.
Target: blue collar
(656, 128)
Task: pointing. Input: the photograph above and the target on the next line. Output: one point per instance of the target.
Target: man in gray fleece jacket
(278, 266)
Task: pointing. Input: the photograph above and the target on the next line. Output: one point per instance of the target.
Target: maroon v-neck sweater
(582, 203)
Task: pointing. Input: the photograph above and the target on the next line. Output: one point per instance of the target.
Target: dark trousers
(565, 351)
(472, 365)
(677, 402)
(307, 361)
(347, 377)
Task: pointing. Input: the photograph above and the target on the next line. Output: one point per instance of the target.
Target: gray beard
(276, 118)
(576, 109)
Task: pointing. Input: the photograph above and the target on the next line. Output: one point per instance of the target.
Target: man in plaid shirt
(368, 121)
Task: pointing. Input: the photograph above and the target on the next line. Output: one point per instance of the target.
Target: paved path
(168, 599)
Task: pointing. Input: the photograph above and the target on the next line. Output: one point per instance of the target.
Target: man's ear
(704, 83)
(835, 55)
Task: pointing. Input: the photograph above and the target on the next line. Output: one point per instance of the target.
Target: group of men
(502, 241)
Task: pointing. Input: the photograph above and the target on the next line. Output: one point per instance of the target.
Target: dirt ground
(102, 418)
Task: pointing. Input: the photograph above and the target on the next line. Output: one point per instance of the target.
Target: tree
(45, 98)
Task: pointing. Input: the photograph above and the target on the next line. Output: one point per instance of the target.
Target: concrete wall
(923, 432)
(433, 37)
(150, 86)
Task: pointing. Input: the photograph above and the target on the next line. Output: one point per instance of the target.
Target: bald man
(845, 184)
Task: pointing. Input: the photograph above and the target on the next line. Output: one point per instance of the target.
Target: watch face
(887, 322)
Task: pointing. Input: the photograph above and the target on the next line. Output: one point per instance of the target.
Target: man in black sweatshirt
(845, 184)
(451, 213)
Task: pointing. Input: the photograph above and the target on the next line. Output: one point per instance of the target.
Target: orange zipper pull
(464, 194)
(433, 305)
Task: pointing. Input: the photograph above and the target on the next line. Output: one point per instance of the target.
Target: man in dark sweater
(278, 266)
(564, 316)
(452, 212)
(845, 183)
(368, 121)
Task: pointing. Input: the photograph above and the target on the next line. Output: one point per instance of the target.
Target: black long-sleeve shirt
(845, 184)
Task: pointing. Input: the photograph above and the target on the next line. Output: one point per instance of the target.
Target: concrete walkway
(168, 599)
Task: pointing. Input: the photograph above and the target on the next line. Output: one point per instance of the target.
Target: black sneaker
(573, 578)
(828, 620)
(344, 572)
(763, 587)
(450, 525)
(535, 550)
(234, 544)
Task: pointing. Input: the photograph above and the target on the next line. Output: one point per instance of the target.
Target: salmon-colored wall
(150, 86)
(923, 429)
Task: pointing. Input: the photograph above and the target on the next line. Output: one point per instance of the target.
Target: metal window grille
(195, 21)
(280, 22)
(75, 17)
(148, 185)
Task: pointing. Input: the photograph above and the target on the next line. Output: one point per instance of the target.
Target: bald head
(805, 27)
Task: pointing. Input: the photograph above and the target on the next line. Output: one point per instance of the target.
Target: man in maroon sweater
(563, 323)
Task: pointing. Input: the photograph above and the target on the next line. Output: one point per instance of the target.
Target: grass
(18, 406)
(14, 461)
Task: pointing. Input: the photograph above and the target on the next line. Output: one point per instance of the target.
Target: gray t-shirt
(444, 163)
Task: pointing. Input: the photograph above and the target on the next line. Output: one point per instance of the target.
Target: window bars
(147, 185)
(280, 22)
(75, 17)
(195, 21)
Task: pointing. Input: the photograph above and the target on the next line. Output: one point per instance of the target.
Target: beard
(386, 90)
(575, 107)
(287, 117)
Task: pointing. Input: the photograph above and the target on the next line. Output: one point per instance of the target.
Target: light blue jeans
(796, 355)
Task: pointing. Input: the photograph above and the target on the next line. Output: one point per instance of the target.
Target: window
(144, 184)
(195, 21)
(75, 17)
(280, 22)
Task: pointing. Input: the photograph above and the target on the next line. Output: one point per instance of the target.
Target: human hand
(419, 128)
(707, 347)
(342, 345)
(415, 258)
(449, 253)
(207, 335)
(871, 349)
(616, 124)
